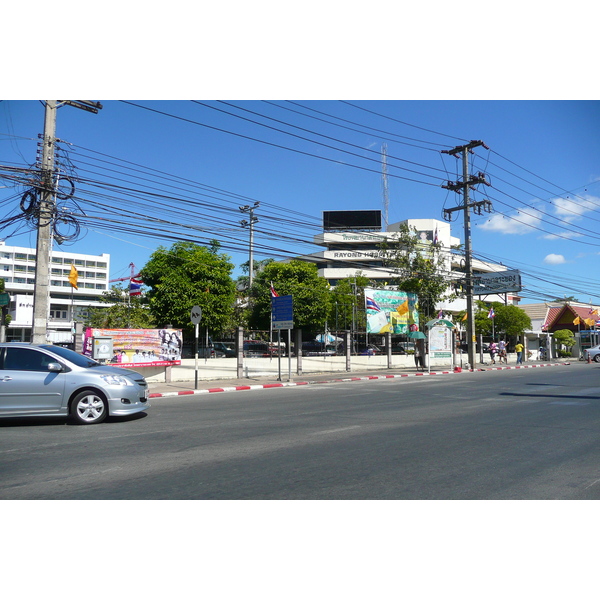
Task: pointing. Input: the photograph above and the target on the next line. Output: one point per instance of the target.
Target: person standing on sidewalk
(519, 351)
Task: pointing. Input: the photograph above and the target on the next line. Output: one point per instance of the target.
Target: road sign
(4, 299)
(282, 312)
(196, 315)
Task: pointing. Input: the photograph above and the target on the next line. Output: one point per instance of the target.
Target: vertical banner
(390, 311)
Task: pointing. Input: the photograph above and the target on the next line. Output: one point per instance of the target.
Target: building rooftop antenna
(384, 184)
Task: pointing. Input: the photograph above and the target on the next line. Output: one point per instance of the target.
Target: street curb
(239, 388)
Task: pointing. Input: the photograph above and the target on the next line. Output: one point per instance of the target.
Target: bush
(564, 353)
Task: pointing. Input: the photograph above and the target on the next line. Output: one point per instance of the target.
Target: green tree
(348, 303)
(6, 318)
(421, 269)
(123, 311)
(311, 295)
(187, 275)
(565, 337)
(509, 320)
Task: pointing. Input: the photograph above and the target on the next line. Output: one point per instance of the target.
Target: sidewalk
(179, 388)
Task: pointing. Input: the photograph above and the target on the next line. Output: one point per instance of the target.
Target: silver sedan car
(45, 380)
(593, 353)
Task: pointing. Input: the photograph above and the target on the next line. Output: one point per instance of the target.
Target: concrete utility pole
(47, 208)
(250, 223)
(468, 182)
(41, 294)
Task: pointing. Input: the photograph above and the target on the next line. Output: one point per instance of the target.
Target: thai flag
(274, 294)
(435, 240)
(372, 304)
(491, 314)
(441, 314)
(135, 287)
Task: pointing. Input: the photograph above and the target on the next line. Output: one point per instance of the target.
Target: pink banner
(139, 347)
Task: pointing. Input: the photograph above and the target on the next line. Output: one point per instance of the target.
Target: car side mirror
(55, 367)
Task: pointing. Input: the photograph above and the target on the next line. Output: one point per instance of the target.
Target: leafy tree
(124, 311)
(564, 337)
(348, 303)
(6, 318)
(311, 294)
(509, 320)
(421, 267)
(187, 275)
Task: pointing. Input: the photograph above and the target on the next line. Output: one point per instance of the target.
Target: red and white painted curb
(238, 388)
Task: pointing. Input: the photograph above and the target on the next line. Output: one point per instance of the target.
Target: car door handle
(6, 378)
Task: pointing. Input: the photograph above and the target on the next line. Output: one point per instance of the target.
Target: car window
(26, 359)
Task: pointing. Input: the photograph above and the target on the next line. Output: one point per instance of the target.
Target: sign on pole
(282, 311)
(196, 316)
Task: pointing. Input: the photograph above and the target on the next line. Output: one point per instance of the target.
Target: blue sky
(194, 163)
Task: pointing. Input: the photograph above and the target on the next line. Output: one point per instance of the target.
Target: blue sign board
(282, 312)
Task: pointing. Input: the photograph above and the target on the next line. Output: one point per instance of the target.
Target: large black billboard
(351, 219)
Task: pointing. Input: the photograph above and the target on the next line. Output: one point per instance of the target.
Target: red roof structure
(562, 317)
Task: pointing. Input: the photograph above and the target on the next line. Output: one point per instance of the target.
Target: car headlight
(116, 380)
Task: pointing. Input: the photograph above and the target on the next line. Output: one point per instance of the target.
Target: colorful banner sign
(139, 347)
(390, 311)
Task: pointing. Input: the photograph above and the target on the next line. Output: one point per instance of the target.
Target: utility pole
(41, 294)
(468, 182)
(250, 223)
(46, 216)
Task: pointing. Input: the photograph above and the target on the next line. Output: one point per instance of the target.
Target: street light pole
(250, 223)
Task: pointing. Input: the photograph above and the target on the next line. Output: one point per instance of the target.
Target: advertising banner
(390, 311)
(139, 347)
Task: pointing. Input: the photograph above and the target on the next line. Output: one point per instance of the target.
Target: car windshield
(74, 357)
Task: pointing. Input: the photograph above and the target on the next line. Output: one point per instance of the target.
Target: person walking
(519, 351)
(502, 351)
(493, 352)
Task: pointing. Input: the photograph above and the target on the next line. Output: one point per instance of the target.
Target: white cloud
(555, 259)
(571, 209)
(519, 223)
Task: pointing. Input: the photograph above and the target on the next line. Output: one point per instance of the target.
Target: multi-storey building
(351, 251)
(67, 305)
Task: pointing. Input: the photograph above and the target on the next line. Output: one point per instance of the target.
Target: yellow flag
(465, 317)
(576, 321)
(590, 322)
(73, 275)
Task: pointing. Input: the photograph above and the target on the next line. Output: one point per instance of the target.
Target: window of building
(90, 263)
(31, 257)
(89, 285)
(30, 269)
(57, 271)
(7, 267)
(57, 260)
(20, 268)
(20, 280)
(56, 282)
(20, 256)
(30, 280)
(100, 286)
(101, 265)
(79, 262)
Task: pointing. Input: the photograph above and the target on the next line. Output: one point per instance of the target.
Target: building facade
(67, 305)
(349, 252)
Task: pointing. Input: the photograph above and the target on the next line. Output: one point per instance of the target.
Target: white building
(350, 252)
(17, 268)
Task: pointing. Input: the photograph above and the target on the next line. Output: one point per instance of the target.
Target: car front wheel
(597, 358)
(89, 408)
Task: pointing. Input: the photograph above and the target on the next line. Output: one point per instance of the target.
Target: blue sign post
(282, 311)
(282, 317)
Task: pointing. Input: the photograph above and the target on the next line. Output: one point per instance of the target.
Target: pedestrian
(519, 351)
(420, 354)
(493, 351)
(502, 351)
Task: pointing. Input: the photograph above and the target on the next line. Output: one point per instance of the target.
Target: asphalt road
(512, 434)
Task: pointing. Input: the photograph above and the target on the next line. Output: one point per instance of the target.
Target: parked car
(593, 353)
(369, 350)
(256, 348)
(315, 348)
(51, 381)
(226, 349)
